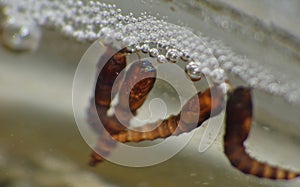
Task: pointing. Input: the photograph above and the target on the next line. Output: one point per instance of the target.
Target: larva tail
(103, 148)
(238, 123)
(240, 159)
(95, 158)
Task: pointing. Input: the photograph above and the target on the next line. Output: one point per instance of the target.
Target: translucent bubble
(161, 59)
(21, 34)
(145, 48)
(193, 70)
(173, 55)
(185, 56)
(154, 52)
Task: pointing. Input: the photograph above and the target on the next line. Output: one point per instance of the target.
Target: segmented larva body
(102, 100)
(180, 123)
(106, 88)
(238, 123)
(138, 81)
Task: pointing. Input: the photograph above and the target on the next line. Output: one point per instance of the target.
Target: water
(41, 145)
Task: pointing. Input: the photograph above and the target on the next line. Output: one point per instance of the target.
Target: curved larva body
(180, 123)
(106, 88)
(138, 81)
(238, 123)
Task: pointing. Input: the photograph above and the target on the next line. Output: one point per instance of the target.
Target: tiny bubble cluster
(92, 20)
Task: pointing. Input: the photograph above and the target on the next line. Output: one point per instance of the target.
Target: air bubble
(185, 56)
(173, 55)
(21, 35)
(161, 59)
(194, 71)
(145, 48)
(153, 52)
(162, 44)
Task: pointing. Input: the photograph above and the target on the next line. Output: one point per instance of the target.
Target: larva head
(240, 100)
(139, 81)
(239, 113)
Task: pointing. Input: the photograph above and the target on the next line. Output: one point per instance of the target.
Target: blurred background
(40, 144)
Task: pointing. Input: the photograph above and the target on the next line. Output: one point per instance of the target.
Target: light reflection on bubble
(20, 35)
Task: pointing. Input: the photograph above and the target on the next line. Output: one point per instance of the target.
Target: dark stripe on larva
(238, 123)
(104, 91)
(173, 125)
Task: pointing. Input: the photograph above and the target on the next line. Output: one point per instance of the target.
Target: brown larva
(237, 126)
